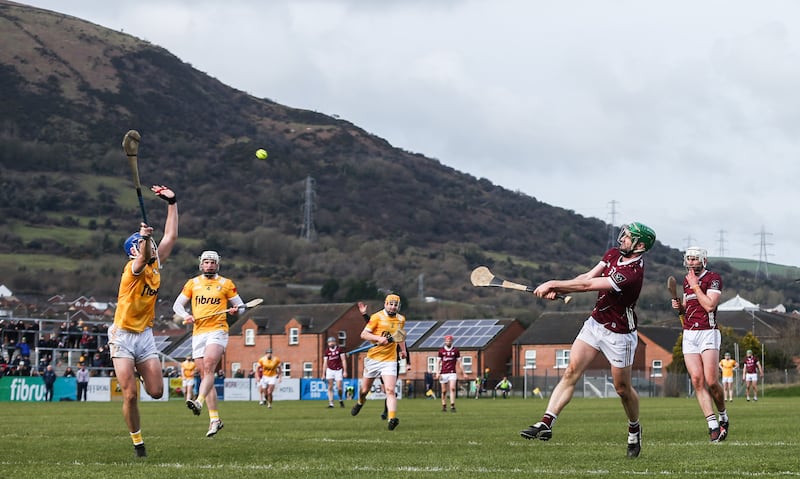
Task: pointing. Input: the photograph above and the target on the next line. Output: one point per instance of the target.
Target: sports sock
(633, 427)
(392, 414)
(712, 421)
(213, 415)
(723, 415)
(201, 399)
(549, 418)
(136, 437)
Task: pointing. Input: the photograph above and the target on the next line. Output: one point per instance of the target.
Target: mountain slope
(384, 216)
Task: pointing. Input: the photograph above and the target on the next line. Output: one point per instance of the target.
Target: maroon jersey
(750, 365)
(696, 316)
(448, 359)
(614, 309)
(334, 357)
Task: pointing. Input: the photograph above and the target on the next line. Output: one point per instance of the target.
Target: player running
(381, 360)
(269, 376)
(209, 294)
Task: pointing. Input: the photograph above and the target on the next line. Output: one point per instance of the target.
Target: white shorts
(695, 341)
(267, 381)
(335, 374)
(728, 380)
(618, 348)
(447, 377)
(188, 384)
(200, 341)
(137, 346)
(751, 377)
(375, 369)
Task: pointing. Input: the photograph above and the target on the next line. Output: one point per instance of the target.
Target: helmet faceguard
(642, 238)
(698, 253)
(392, 304)
(209, 263)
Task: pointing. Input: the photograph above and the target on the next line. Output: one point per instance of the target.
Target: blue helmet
(131, 246)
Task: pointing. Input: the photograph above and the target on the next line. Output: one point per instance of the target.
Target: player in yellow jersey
(188, 368)
(727, 365)
(209, 294)
(130, 338)
(270, 376)
(381, 360)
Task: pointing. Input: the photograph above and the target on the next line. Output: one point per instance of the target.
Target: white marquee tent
(738, 304)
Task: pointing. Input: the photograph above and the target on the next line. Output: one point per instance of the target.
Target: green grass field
(301, 439)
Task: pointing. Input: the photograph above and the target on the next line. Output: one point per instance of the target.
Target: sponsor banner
(286, 390)
(316, 389)
(376, 391)
(31, 388)
(219, 385)
(237, 389)
(99, 389)
(143, 396)
(176, 388)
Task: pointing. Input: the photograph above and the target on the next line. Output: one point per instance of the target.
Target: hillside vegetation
(385, 219)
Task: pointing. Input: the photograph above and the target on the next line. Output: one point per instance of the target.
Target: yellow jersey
(382, 324)
(187, 368)
(727, 366)
(209, 296)
(269, 366)
(136, 300)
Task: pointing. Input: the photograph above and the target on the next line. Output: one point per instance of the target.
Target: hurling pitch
(305, 439)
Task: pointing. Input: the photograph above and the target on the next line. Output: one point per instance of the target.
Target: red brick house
(296, 334)
(543, 349)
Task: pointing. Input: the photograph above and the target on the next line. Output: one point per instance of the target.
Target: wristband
(169, 200)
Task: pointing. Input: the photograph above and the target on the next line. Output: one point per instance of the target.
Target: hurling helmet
(695, 252)
(209, 255)
(131, 245)
(642, 237)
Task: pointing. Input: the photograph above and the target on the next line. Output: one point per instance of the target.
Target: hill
(384, 218)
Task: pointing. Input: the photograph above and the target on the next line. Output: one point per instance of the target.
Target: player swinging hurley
(381, 360)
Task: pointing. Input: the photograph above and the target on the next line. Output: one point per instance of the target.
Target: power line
(612, 234)
(763, 262)
(308, 231)
(721, 243)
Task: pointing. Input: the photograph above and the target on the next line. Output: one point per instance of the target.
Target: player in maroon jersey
(610, 329)
(449, 365)
(335, 367)
(702, 290)
(752, 368)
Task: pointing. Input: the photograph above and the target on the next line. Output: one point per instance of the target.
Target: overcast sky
(683, 115)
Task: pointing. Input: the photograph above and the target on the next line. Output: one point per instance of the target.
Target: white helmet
(212, 256)
(695, 252)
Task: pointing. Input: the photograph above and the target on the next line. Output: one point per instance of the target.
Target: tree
(329, 289)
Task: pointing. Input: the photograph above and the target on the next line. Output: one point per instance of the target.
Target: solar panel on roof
(183, 350)
(414, 331)
(162, 342)
(467, 333)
